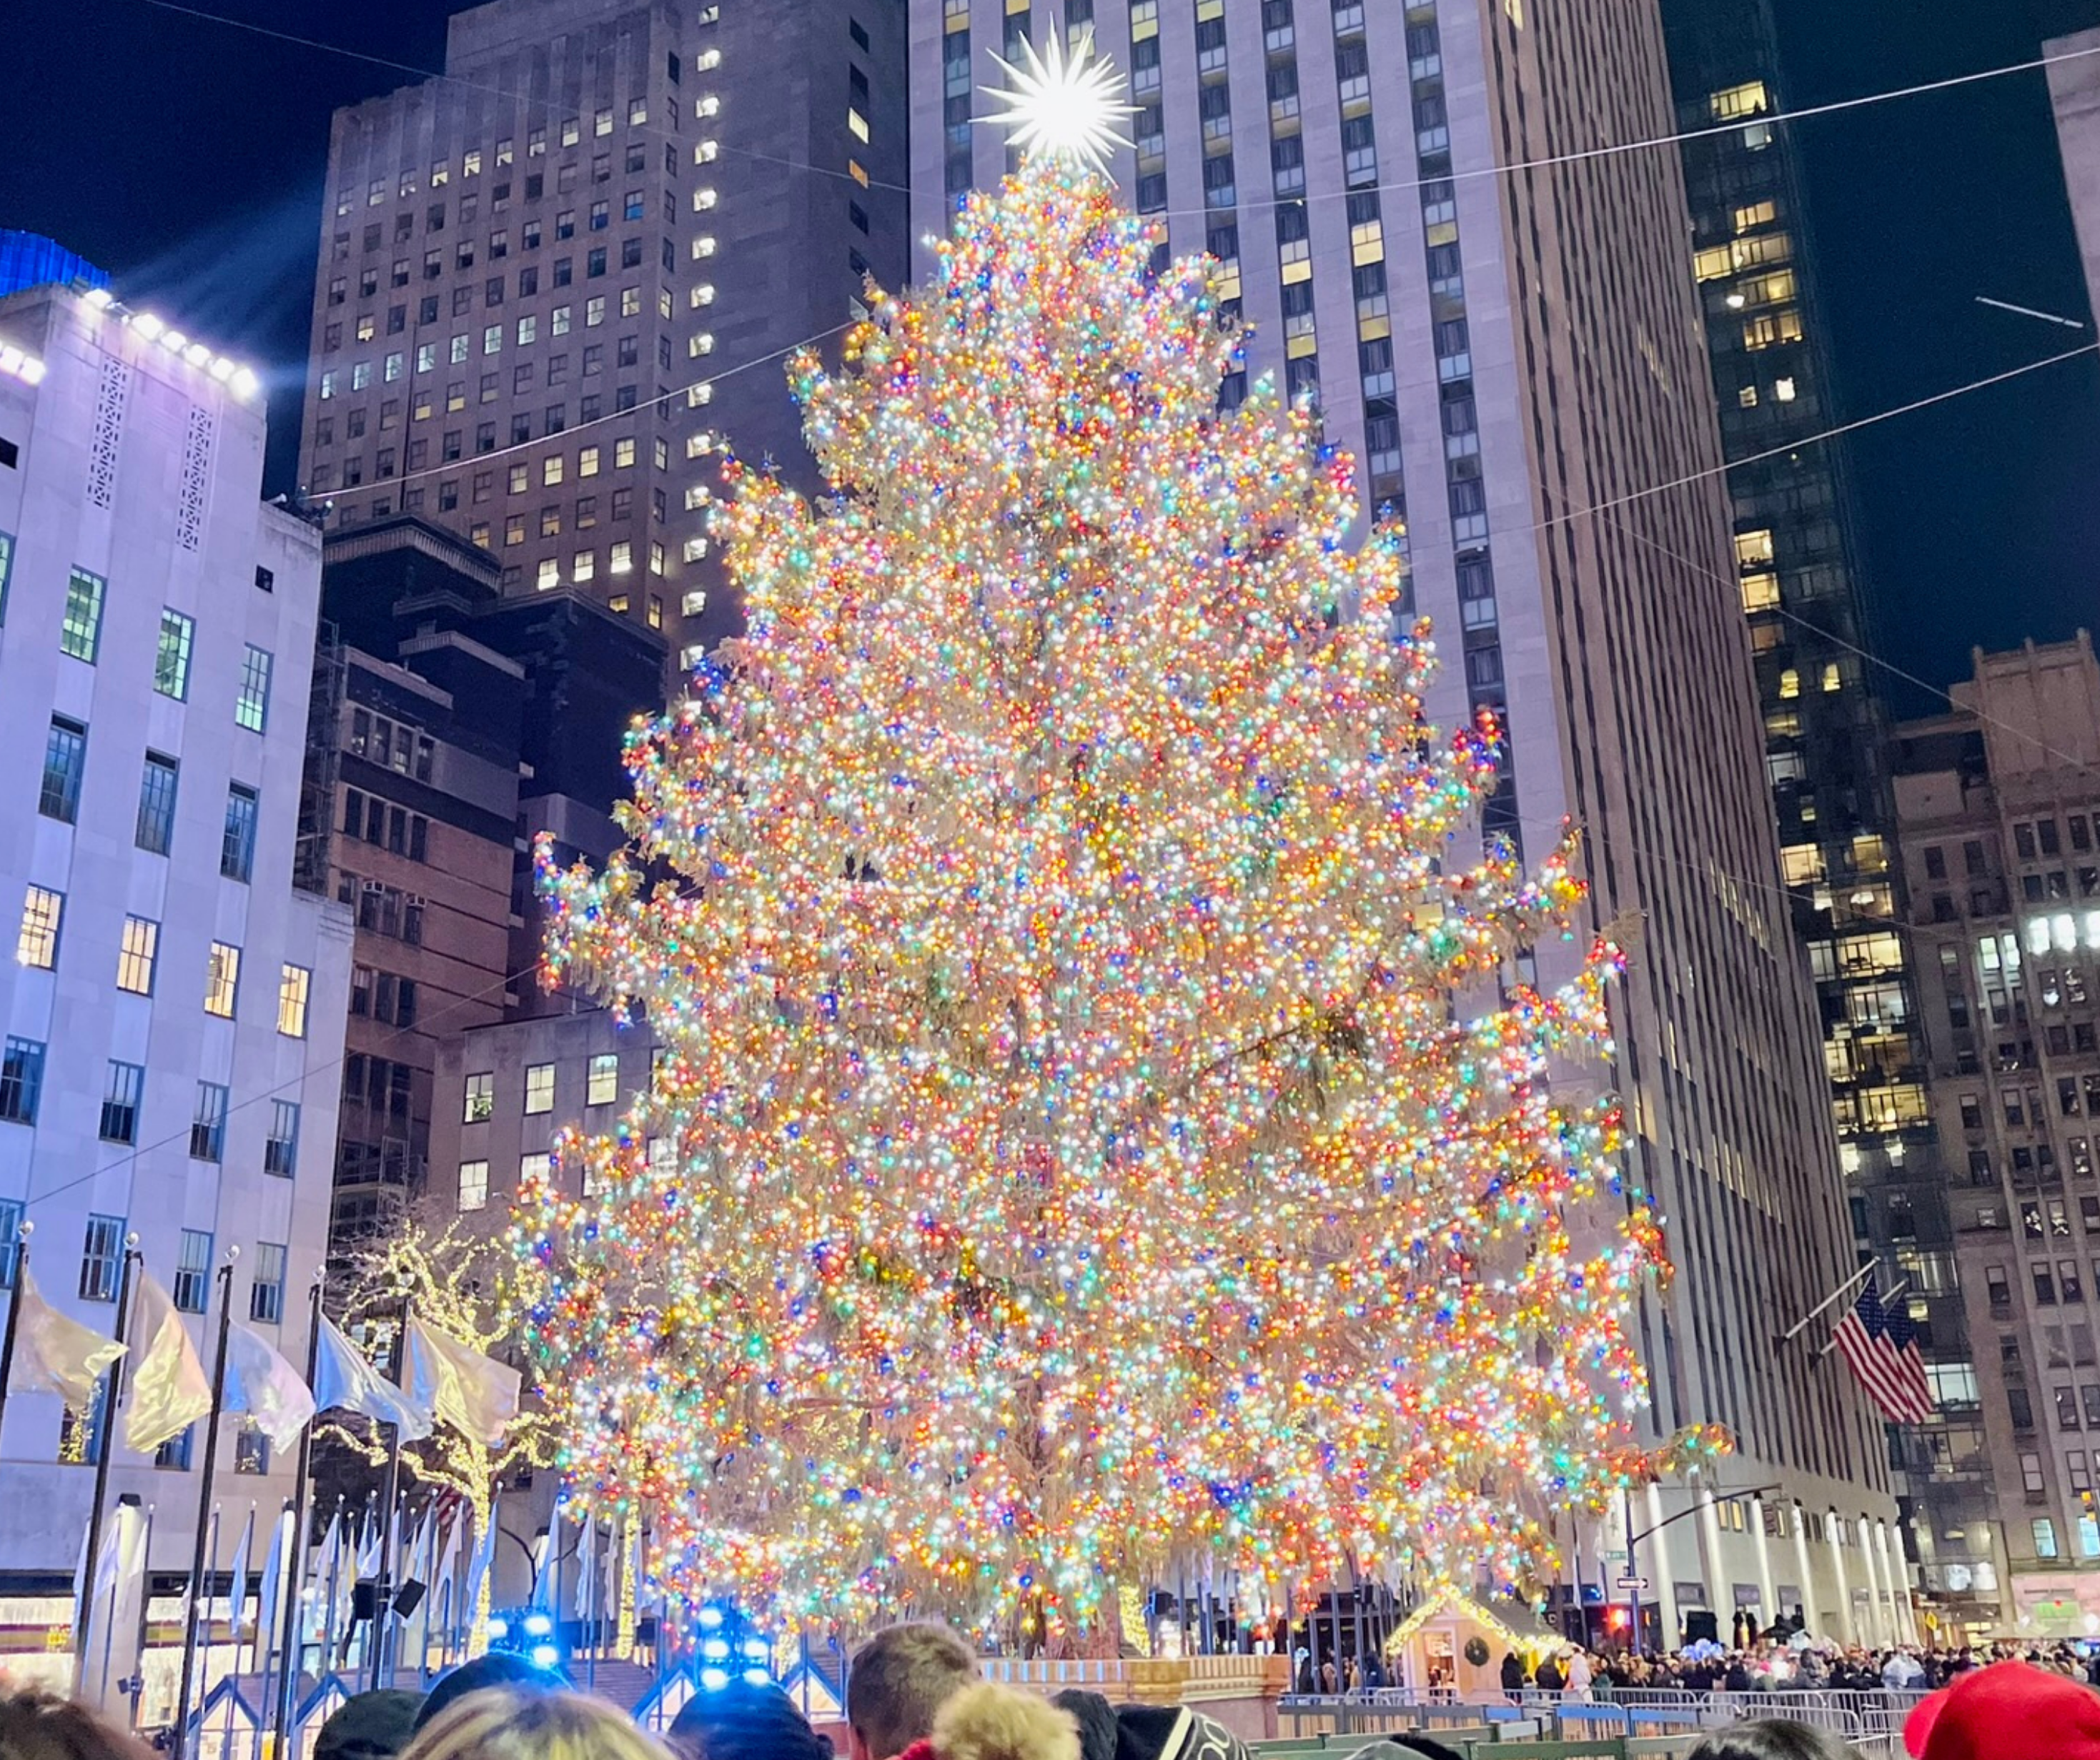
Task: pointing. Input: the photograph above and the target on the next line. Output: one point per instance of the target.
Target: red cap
(2007, 1711)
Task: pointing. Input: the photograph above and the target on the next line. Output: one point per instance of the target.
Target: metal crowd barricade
(1871, 1721)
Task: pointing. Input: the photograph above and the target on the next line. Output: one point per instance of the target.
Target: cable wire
(1578, 156)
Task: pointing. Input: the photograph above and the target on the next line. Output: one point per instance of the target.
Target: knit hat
(2007, 1711)
(496, 1667)
(1097, 1719)
(746, 1720)
(988, 1722)
(369, 1726)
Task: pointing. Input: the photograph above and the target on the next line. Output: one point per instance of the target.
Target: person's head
(745, 1720)
(898, 1682)
(1095, 1717)
(988, 1721)
(34, 1726)
(1772, 1739)
(497, 1668)
(512, 1723)
(369, 1726)
(2006, 1711)
(1405, 1748)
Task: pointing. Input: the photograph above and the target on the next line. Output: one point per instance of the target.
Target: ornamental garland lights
(1098, 1120)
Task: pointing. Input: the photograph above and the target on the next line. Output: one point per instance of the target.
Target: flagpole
(283, 1540)
(383, 1590)
(1831, 1343)
(236, 1601)
(117, 1600)
(210, 1571)
(13, 1317)
(334, 1595)
(112, 1396)
(145, 1612)
(279, 1715)
(1838, 1294)
(180, 1740)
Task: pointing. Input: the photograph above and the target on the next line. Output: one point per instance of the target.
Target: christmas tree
(1099, 1121)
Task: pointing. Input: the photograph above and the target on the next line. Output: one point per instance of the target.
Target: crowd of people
(1780, 1665)
(916, 1692)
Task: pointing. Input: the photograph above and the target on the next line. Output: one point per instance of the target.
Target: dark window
(122, 1090)
(236, 854)
(21, 1080)
(65, 757)
(101, 1258)
(192, 1289)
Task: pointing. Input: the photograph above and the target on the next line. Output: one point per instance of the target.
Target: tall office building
(2074, 96)
(410, 819)
(1512, 348)
(172, 1007)
(554, 280)
(2000, 806)
(1824, 735)
(447, 722)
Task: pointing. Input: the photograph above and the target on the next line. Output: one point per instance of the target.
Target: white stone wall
(163, 501)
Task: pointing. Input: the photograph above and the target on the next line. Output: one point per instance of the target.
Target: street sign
(1633, 1584)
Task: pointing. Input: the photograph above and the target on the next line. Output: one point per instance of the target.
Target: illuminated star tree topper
(1063, 107)
(1103, 1113)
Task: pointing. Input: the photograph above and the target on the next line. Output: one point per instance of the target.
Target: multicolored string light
(1100, 1119)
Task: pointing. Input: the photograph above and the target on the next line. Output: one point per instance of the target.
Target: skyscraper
(1824, 734)
(557, 279)
(2000, 805)
(1510, 342)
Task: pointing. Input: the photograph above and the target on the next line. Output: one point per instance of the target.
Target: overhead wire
(1576, 155)
(1600, 511)
(277, 1091)
(599, 421)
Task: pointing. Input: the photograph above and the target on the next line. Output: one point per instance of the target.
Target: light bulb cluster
(1103, 1121)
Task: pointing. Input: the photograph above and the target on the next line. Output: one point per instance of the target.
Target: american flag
(1881, 1346)
(1909, 1361)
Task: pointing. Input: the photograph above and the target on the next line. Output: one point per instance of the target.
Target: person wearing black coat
(1550, 1676)
(1512, 1672)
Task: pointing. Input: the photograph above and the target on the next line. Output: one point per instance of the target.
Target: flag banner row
(446, 1380)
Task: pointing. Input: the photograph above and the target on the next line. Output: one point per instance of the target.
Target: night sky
(188, 158)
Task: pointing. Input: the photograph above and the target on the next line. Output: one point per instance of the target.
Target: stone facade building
(173, 1008)
(1999, 806)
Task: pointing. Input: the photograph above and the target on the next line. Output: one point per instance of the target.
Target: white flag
(170, 1389)
(444, 1586)
(316, 1610)
(270, 1602)
(546, 1567)
(477, 1567)
(415, 1644)
(345, 1380)
(586, 1572)
(261, 1383)
(236, 1586)
(54, 1354)
(369, 1544)
(80, 1582)
(342, 1587)
(450, 1379)
(120, 1581)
